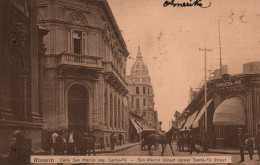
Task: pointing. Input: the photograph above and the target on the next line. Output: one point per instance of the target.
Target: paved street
(136, 151)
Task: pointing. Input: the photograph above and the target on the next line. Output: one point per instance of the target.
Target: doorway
(78, 107)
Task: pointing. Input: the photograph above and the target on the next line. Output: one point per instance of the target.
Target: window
(148, 90)
(78, 42)
(137, 90)
(144, 102)
(137, 104)
(143, 79)
(144, 92)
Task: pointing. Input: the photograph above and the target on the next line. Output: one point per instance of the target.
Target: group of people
(190, 138)
(75, 142)
(70, 142)
(247, 142)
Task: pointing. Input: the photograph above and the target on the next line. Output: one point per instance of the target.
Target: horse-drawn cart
(145, 140)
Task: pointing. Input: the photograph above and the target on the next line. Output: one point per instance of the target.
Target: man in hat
(250, 144)
(241, 143)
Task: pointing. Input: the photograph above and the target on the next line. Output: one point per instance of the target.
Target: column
(62, 117)
(249, 112)
(95, 110)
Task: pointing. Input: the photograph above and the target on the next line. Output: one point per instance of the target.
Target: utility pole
(220, 58)
(205, 79)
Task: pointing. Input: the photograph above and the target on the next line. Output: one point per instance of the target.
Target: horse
(163, 139)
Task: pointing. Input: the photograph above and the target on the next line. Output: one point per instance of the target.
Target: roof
(139, 68)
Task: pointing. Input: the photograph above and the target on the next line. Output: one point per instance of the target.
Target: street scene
(129, 78)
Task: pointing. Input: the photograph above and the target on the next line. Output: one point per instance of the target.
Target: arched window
(111, 110)
(106, 108)
(119, 115)
(115, 112)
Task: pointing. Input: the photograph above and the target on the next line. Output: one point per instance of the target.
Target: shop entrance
(78, 107)
(231, 136)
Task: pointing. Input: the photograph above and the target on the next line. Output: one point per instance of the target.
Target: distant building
(223, 71)
(192, 94)
(251, 67)
(141, 96)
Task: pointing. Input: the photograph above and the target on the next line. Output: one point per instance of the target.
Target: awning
(181, 125)
(138, 129)
(195, 124)
(190, 120)
(230, 112)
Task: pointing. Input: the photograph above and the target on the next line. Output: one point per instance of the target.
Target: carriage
(144, 138)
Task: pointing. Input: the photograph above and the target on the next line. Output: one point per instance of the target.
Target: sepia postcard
(129, 82)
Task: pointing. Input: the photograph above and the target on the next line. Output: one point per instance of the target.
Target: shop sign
(231, 86)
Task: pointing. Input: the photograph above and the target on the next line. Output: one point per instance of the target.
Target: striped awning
(190, 120)
(195, 124)
(137, 127)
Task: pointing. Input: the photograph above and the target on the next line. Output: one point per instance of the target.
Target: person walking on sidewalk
(112, 141)
(250, 144)
(258, 144)
(102, 142)
(120, 138)
(92, 140)
(241, 143)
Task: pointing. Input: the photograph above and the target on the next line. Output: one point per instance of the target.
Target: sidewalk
(227, 151)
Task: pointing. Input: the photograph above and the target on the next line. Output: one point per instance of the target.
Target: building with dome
(141, 97)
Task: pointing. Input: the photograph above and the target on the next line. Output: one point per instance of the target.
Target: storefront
(236, 102)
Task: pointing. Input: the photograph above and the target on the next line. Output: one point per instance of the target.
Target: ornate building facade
(141, 96)
(84, 67)
(21, 49)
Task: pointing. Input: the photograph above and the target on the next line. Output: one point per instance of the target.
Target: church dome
(139, 68)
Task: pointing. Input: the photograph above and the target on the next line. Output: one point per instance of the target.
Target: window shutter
(71, 42)
(84, 43)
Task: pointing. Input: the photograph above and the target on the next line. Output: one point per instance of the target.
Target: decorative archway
(78, 107)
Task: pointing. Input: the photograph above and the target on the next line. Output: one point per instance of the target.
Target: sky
(170, 38)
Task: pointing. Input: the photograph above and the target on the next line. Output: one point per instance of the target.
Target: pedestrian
(241, 143)
(19, 152)
(54, 146)
(182, 141)
(102, 142)
(258, 144)
(250, 144)
(120, 138)
(192, 142)
(112, 141)
(71, 143)
(92, 140)
(85, 142)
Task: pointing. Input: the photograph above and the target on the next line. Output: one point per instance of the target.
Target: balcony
(91, 62)
(114, 77)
